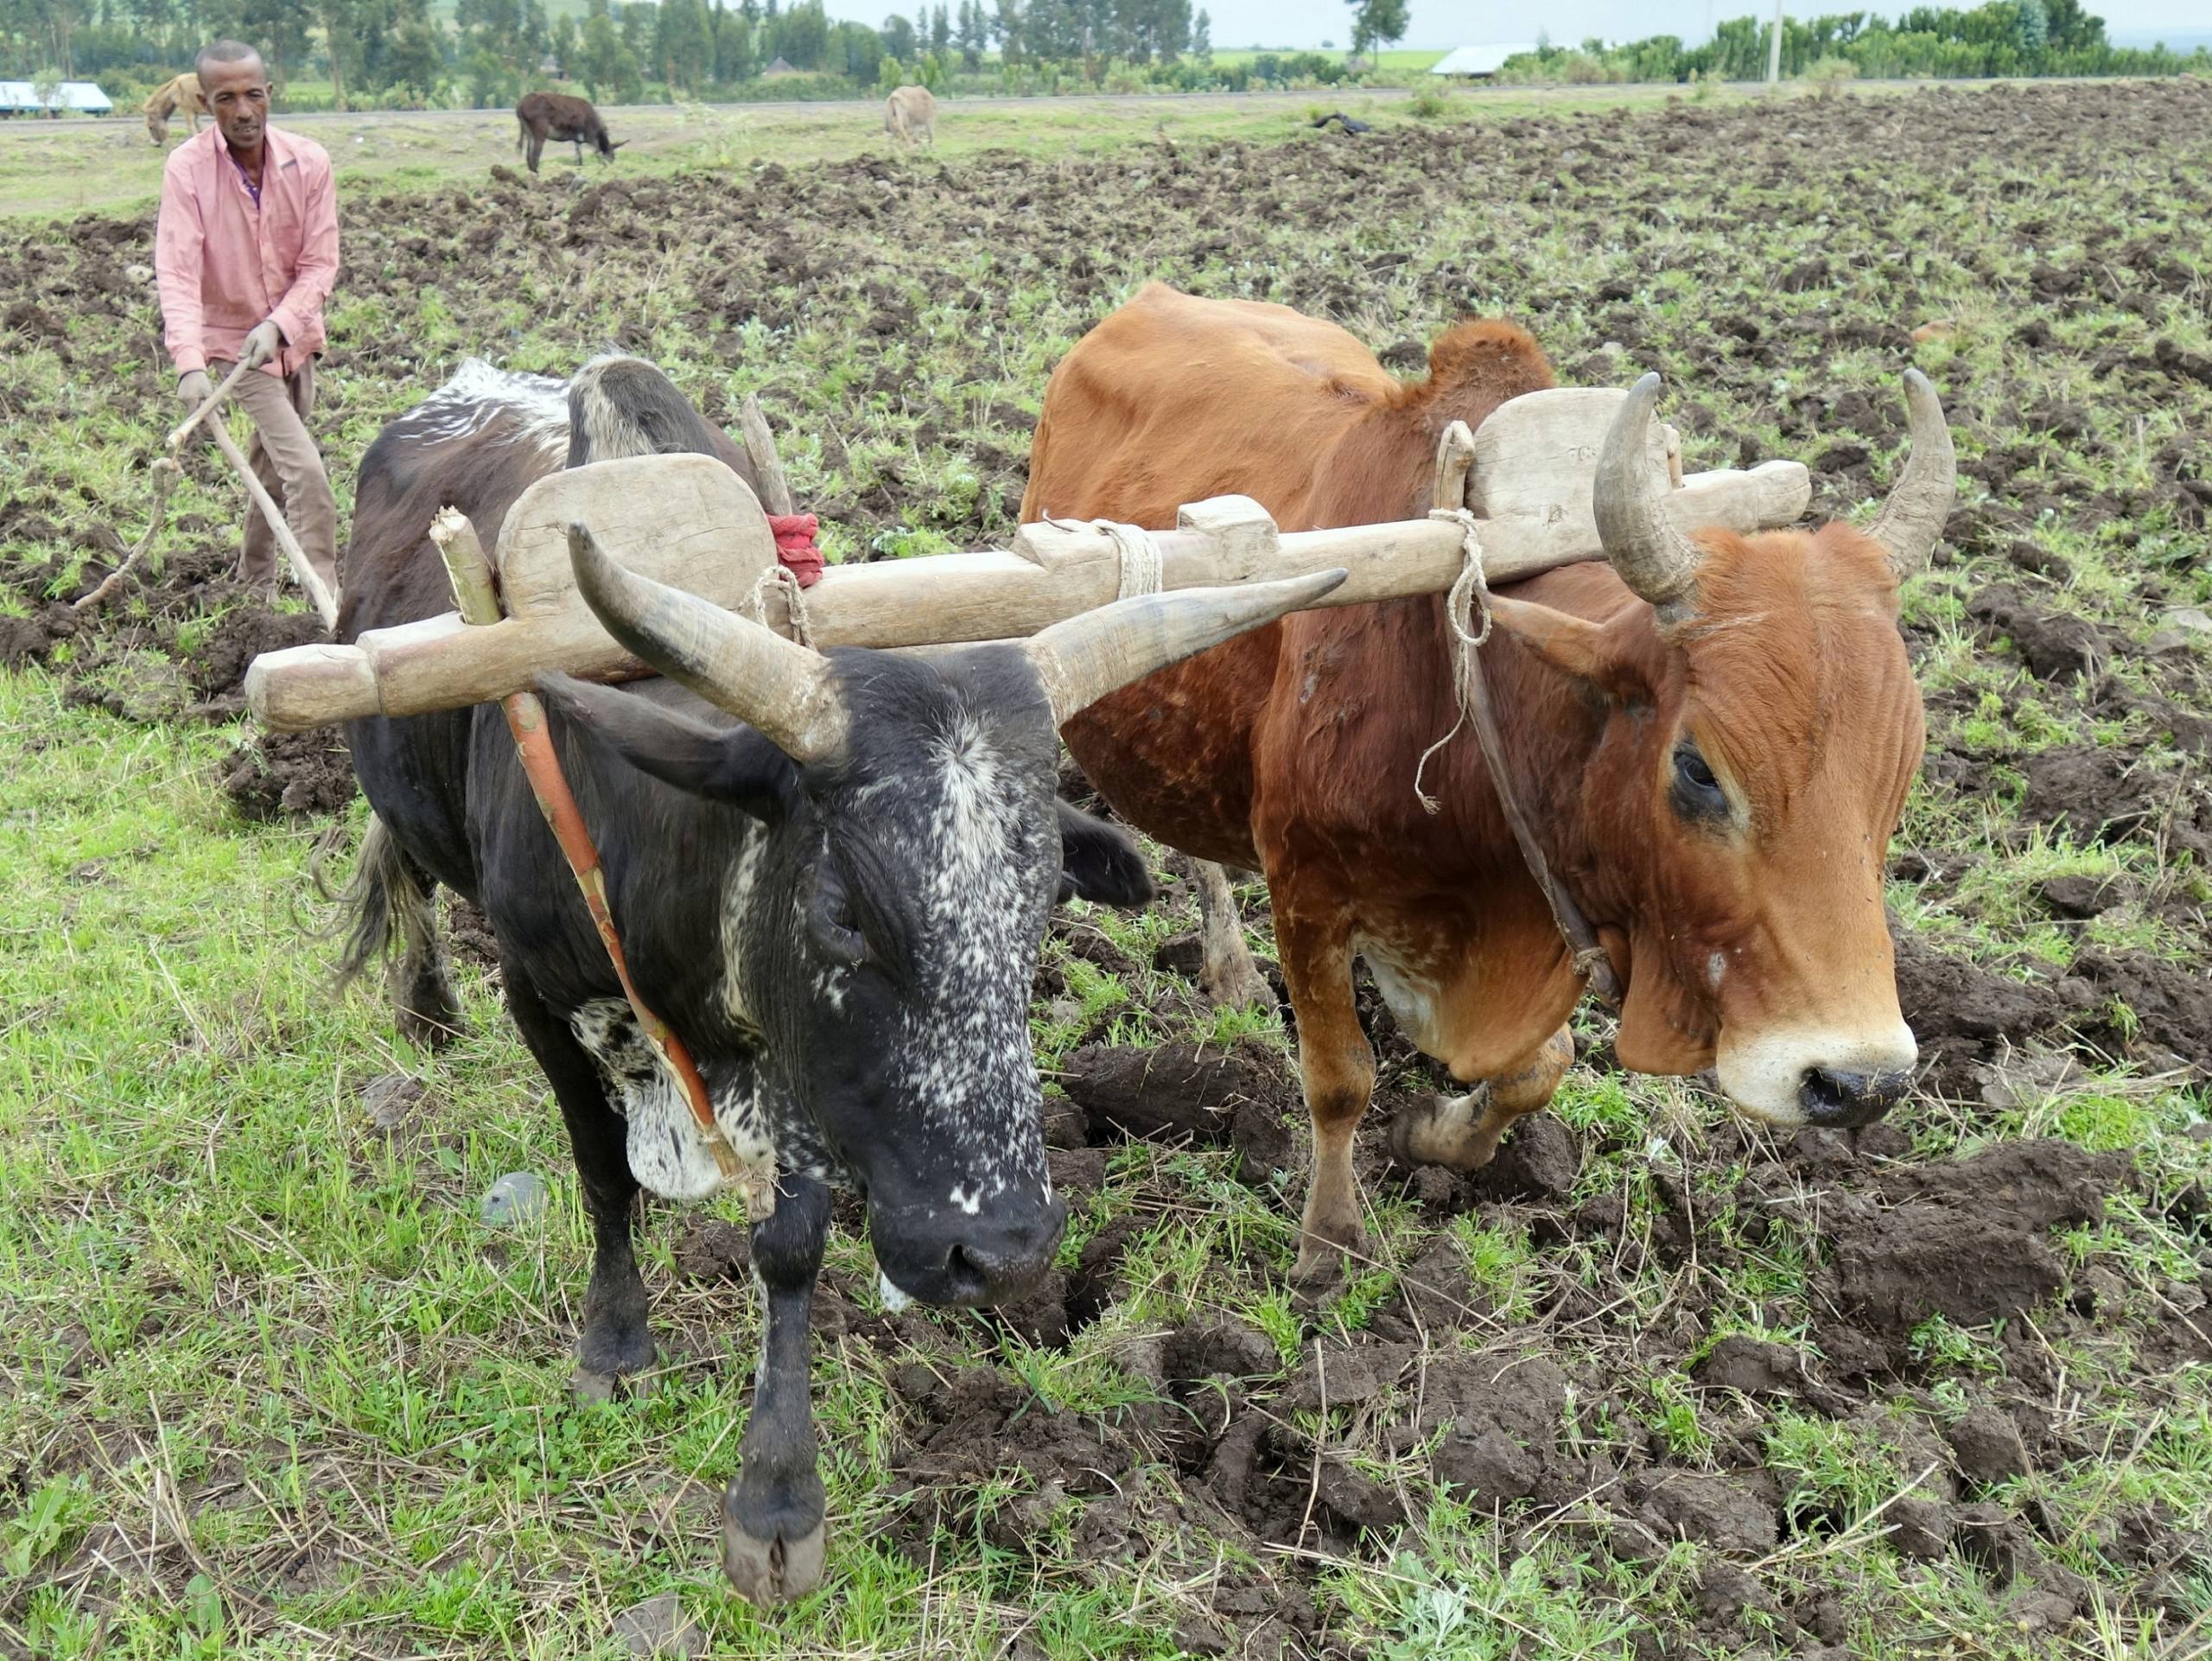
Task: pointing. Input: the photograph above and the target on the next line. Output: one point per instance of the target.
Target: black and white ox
(831, 874)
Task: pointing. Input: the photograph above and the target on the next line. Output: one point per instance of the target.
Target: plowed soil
(1916, 1342)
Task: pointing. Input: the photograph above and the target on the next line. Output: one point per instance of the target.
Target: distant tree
(2032, 30)
(278, 28)
(1007, 26)
(636, 22)
(1202, 38)
(684, 45)
(855, 52)
(1375, 24)
(802, 34)
(940, 31)
(418, 57)
(564, 42)
(2071, 28)
(734, 58)
(341, 39)
(898, 38)
(605, 63)
(975, 34)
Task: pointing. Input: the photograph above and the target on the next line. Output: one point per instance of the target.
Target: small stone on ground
(518, 1197)
(659, 1626)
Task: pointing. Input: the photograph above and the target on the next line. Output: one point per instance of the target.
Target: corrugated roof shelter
(20, 98)
(1472, 61)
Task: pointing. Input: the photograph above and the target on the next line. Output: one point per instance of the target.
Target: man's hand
(195, 389)
(264, 343)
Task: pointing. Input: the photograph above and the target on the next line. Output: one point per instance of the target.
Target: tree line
(2004, 38)
(371, 53)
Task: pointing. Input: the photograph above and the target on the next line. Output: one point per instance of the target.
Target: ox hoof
(428, 1030)
(1458, 1132)
(1243, 987)
(592, 1388)
(1321, 1266)
(775, 1570)
(604, 1371)
(1410, 1131)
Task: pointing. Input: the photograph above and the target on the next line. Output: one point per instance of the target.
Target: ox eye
(1697, 793)
(835, 931)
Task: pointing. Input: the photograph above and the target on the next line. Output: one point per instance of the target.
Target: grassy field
(272, 1389)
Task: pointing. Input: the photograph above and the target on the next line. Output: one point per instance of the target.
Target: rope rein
(1469, 590)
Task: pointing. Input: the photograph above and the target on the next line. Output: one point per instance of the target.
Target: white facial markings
(963, 1056)
(1716, 967)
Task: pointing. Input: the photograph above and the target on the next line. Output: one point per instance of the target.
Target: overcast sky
(1441, 24)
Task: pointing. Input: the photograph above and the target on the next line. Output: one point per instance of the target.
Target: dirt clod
(1179, 1091)
(711, 1250)
(1713, 1511)
(1987, 1444)
(273, 775)
(1751, 1367)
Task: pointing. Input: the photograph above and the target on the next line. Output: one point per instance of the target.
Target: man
(247, 252)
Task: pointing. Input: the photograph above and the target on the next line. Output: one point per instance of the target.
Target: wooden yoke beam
(688, 520)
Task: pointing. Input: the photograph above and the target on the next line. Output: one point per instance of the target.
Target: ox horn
(1920, 501)
(1642, 542)
(1083, 658)
(733, 662)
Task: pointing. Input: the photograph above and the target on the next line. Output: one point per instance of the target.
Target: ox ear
(1100, 862)
(736, 764)
(1575, 647)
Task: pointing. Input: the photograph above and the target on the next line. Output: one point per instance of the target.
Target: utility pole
(1774, 47)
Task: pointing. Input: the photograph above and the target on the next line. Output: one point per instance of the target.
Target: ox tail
(386, 912)
(385, 907)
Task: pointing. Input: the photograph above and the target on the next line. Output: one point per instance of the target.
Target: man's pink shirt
(225, 265)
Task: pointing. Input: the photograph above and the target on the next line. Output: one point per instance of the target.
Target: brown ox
(559, 117)
(1714, 738)
(910, 115)
(179, 92)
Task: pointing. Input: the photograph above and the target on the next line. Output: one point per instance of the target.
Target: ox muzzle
(1836, 1081)
(946, 1254)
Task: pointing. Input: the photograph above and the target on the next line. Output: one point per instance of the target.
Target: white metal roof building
(20, 98)
(1479, 60)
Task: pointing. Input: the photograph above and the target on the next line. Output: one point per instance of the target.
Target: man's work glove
(195, 389)
(265, 343)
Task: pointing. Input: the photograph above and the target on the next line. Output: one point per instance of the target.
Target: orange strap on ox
(472, 589)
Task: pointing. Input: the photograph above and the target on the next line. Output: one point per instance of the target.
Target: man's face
(238, 95)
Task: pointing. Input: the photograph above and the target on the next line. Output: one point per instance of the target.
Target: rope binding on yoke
(1470, 591)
